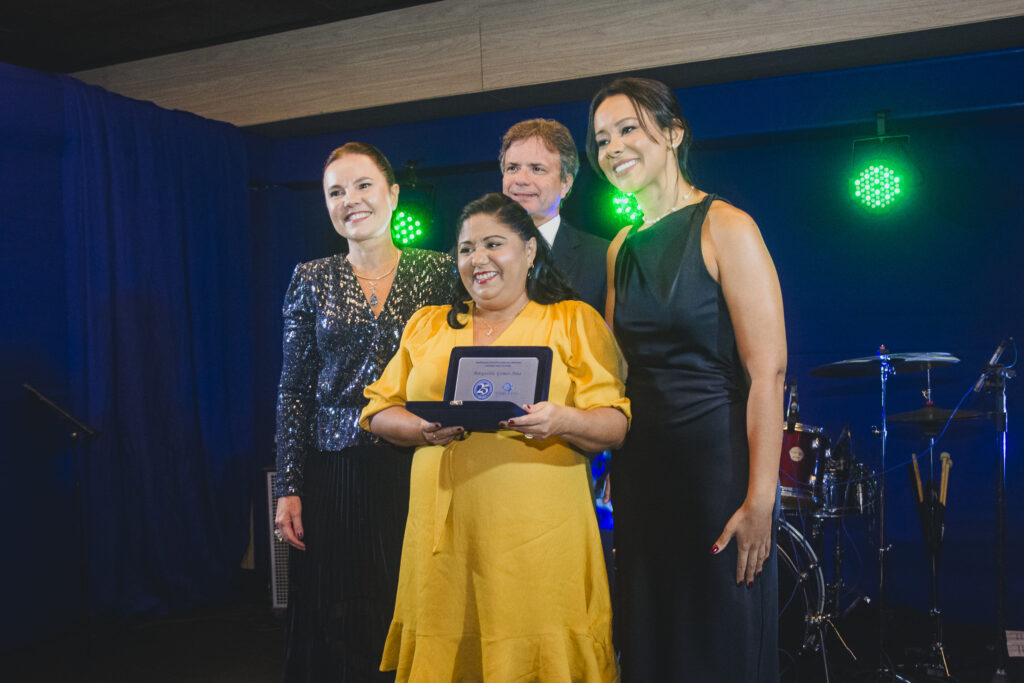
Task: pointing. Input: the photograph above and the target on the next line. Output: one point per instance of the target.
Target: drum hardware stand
(931, 509)
(993, 380)
(817, 622)
(936, 666)
(883, 671)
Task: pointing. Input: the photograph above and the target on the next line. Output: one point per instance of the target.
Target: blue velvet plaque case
(487, 385)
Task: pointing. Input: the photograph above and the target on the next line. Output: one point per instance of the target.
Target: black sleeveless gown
(683, 472)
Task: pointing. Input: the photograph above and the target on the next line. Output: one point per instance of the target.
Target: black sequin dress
(683, 471)
(354, 488)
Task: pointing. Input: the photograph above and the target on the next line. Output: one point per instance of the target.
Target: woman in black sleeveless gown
(694, 300)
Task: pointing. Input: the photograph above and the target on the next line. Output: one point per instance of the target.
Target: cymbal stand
(935, 666)
(883, 672)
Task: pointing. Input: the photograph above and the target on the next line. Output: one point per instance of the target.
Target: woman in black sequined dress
(343, 492)
(694, 300)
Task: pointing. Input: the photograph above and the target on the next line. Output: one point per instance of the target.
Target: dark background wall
(939, 274)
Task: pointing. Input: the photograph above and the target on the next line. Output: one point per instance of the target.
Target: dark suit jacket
(581, 256)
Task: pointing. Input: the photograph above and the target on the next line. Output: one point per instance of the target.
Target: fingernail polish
(750, 584)
(511, 422)
(714, 549)
(300, 535)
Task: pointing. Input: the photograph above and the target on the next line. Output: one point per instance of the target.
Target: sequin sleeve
(296, 396)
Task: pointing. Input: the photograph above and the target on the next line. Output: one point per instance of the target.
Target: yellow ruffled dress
(502, 575)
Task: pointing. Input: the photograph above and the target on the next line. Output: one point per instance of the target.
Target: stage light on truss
(626, 208)
(881, 171)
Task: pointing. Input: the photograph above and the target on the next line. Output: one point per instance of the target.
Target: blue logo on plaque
(507, 386)
(482, 389)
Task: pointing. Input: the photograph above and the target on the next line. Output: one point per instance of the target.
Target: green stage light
(627, 208)
(877, 186)
(881, 169)
(408, 225)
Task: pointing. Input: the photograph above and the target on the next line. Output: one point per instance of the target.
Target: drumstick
(947, 464)
(917, 478)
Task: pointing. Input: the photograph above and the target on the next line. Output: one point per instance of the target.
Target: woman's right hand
(436, 435)
(288, 520)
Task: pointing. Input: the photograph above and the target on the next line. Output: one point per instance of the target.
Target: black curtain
(159, 267)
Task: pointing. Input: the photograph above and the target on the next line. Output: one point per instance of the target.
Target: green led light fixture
(626, 208)
(412, 220)
(408, 224)
(880, 169)
(877, 186)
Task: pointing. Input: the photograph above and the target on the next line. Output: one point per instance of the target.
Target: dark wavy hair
(545, 284)
(652, 100)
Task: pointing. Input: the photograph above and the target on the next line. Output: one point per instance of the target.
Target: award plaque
(487, 385)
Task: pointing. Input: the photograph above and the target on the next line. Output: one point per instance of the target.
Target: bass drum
(801, 596)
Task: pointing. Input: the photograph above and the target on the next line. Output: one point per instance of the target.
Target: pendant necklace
(490, 330)
(373, 280)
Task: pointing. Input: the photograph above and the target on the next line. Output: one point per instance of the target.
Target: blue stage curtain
(159, 266)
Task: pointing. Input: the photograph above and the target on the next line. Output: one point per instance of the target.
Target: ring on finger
(278, 535)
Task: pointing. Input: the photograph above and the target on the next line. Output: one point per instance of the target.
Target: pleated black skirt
(342, 587)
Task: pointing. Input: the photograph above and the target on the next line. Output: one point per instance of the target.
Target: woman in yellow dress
(502, 575)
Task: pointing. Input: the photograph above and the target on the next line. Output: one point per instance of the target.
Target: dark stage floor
(242, 642)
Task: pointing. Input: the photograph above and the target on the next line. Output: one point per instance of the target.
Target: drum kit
(824, 485)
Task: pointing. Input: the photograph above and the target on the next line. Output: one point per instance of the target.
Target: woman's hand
(436, 435)
(288, 520)
(751, 526)
(402, 428)
(542, 420)
(590, 430)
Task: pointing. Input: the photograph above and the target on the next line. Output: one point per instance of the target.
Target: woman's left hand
(542, 420)
(751, 526)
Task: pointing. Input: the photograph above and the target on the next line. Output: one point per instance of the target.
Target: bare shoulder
(729, 225)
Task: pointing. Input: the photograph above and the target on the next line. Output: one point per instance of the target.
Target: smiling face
(359, 199)
(493, 263)
(532, 175)
(631, 156)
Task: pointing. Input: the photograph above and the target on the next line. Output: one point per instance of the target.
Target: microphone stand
(81, 434)
(995, 377)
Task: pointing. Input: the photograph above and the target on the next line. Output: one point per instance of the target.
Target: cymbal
(870, 366)
(930, 415)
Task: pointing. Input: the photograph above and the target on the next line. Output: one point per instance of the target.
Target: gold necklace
(490, 330)
(373, 280)
(675, 207)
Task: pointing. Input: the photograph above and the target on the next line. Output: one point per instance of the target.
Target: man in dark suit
(538, 164)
